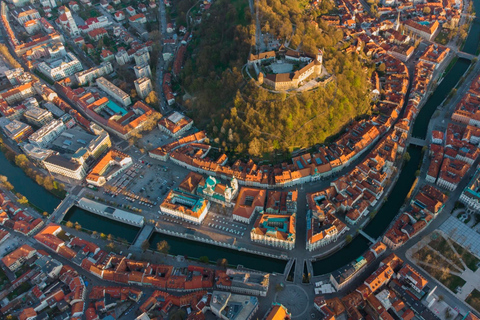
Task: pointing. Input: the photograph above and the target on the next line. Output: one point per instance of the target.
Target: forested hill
(246, 119)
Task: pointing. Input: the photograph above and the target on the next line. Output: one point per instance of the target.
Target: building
(66, 21)
(17, 258)
(115, 92)
(36, 154)
(71, 168)
(142, 57)
(249, 202)
(277, 312)
(185, 206)
(16, 130)
(77, 143)
(143, 71)
(143, 87)
(87, 76)
(103, 171)
(61, 68)
(38, 116)
(425, 30)
(43, 136)
(175, 124)
(227, 306)
(212, 189)
(281, 202)
(470, 196)
(275, 230)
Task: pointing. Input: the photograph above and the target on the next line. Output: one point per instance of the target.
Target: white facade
(43, 136)
(142, 57)
(65, 167)
(143, 87)
(62, 68)
(115, 92)
(143, 71)
(91, 74)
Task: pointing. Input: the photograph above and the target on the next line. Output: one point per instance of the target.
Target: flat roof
(117, 213)
(71, 140)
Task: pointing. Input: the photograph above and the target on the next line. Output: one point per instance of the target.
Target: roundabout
(295, 299)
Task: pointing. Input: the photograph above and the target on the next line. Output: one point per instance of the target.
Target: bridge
(465, 55)
(367, 236)
(460, 54)
(142, 236)
(62, 208)
(418, 142)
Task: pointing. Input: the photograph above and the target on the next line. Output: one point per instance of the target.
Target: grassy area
(470, 260)
(449, 280)
(473, 299)
(441, 245)
(443, 37)
(432, 257)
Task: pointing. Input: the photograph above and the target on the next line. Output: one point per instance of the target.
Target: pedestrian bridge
(465, 55)
(367, 236)
(418, 142)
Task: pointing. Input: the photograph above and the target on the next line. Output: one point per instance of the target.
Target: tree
(111, 246)
(152, 98)
(78, 226)
(163, 247)
(5, 184)
(145, 245)
(69, 224)
(204, 259)
(406, 156)
(427, 10)
(22, 200)
(110, 237)
(223, 263)
(94, 233)
(348, 238)
(279, 287)
(103, 236)
(45, 213)
(133, 93)
(254, 147)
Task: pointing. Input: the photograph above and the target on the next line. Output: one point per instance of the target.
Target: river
(35, 193)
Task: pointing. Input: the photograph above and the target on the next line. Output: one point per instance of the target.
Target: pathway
(367, 236)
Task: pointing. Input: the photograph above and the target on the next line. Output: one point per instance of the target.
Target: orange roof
(21, 253)
(248, 199)
(27, 313)
(278, 312)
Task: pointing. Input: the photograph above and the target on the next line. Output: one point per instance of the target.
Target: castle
(287, 80)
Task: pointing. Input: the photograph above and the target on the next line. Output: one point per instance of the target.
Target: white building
(75, 169)
(142, 71)
(185, 206)
(67, 22)
(61, 68)
(143, 87)
(142, 57)
(43, 136)
(91, 74)
(38, 116)
(115, 92)
(48, 3)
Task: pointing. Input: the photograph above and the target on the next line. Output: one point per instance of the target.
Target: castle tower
(260, 81)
